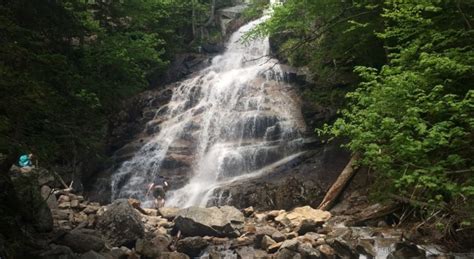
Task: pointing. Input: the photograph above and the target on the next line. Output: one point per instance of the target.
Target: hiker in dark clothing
(158, 189)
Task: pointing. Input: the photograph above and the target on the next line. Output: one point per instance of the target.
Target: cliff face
(271, 113)
(298, 181)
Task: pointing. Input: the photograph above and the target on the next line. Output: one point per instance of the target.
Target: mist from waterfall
(240, 117)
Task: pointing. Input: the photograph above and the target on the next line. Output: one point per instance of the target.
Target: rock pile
(124, 230)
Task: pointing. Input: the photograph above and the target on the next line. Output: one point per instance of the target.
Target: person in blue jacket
(25, 163)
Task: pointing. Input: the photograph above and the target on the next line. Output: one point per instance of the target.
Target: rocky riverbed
(123, 229)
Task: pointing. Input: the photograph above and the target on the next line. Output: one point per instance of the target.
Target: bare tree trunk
(193, 18)
(339, 184)
(211, 15)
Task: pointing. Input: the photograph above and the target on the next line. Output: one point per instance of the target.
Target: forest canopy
(65, 66)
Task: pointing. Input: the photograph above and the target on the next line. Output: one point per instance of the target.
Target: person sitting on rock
(158, 189)
(25, 163)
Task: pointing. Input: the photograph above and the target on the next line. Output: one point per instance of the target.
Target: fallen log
(339, 184)
(375, 211)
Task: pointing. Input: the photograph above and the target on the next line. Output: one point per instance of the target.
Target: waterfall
(238, 117)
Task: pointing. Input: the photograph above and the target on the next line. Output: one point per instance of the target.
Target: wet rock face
(407, 250)
(220, 222)
(28, 191)
(244, 126)
(121, 224)
(81, 242)
(295, 183)
(131, 120)
(192, 246)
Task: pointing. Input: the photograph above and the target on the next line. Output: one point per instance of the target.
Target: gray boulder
(58, 252)
(92, 255)
(342, 248)
(49, 197)
(147, 249)
(121, 224)
(260, 232)
(287, 254)
(225, 221)
(81, 242)
(278, 236)
(173, 255)
(168, 212)
(308, 251)
(406, 250)
(35, 209)
(192, 246)
(291, 244)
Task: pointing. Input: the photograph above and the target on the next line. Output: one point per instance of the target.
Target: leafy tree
(66, 65)
(413, 119)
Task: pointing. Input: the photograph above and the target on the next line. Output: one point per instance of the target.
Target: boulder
(310, 238)
(273, 248)
(57, 251)
(173, 255)
(308, 251)
(260, 232)
(407, 250)
(342, 248)
(366, 247)
(245, 252)
(64, 205)
(162, 241)
(121, 224)
(81, 242)
(45, 177)
(266, 242)
(291, 235)
(248, 211)
(304, 219)
(225, 221)
(287, 254)
(271, 215)
(168, 213)
(192, 246)
(35, 210)
(43, 219)
(90, 209)
(278, 236)
(308, 225)
(243, 241)
(75, 204)
(92, 255)
(147, 249)
(49, 197)
(64, 198)
(327, 251)
(292, 244)
(118, 253)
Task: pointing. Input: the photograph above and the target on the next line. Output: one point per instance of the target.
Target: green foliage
(411, 116)
(329, 37)
(326, 34)
(255, 9)
(413, 119)
(66, 65)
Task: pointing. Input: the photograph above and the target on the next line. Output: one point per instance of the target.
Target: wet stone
(278, 236)
(266, 242)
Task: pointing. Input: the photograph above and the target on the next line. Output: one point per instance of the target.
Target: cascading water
(238, 117)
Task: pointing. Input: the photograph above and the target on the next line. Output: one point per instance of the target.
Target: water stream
(238, 117)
